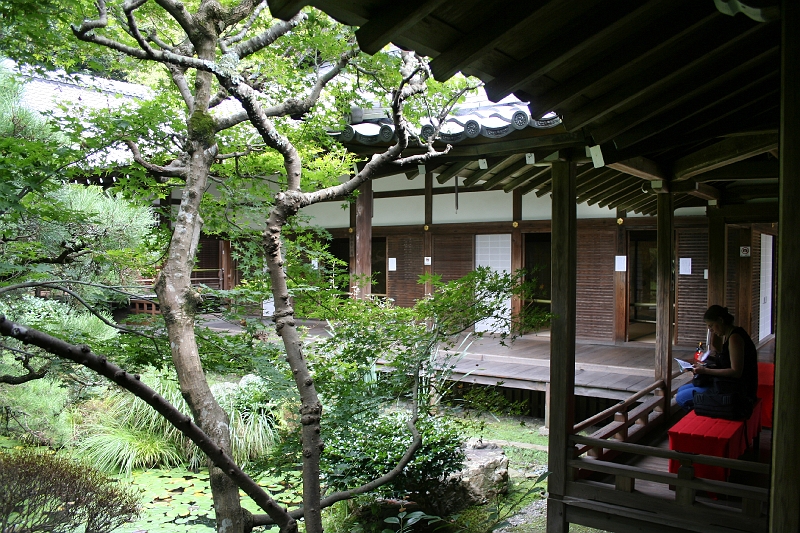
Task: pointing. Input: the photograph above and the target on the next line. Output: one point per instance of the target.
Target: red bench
(714, 436)
(766, 391)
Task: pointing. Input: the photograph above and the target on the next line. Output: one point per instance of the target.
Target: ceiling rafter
(498, 178)
(538, 181)
(743, 170)
(705, 109)
(622, 186)
(723, 153)
(608, 21)
(491, 164)
(607, 187)
(453, 170)
(709, 84)
(654, 39)
(385, 26)
(523, 178)
(698, 51)
(466, 51)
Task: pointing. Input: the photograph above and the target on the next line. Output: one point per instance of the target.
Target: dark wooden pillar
(517, 244)
(665, 256)
(227, 270)
(744, 282)
(785, 494)
(427, 242)
(621, 284)
(562, 341)
(363, 271)
(717, 247)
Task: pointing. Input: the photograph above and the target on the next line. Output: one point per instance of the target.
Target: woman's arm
(736, 350)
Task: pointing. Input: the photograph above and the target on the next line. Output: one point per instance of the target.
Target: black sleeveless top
(749, 377)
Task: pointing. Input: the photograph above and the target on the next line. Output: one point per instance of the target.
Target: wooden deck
(605, 371)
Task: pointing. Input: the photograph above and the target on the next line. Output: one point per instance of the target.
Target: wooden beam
(386, 24)
(502, 148)
(523, 178)
(536, 182)
(655, 39)
(478, 174)
(607, 187)
(722, 153)
(605, 175)
(466, 51)
(504, 173)
(617, 198)
(743, 170)
(695, 53)
(711, 102)
(621, 184)
(784, 509)
(665, 255)
(641, 167)
(562, 339)
(286, 9)
(708, 83)
(453, 170)
(700, 190)
(597, 26)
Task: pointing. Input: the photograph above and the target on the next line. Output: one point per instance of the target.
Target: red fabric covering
(713, 436)
(766, 391)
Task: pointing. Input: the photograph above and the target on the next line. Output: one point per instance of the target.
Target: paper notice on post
(684, 365)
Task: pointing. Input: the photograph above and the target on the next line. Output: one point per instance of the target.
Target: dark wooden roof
(672, 90)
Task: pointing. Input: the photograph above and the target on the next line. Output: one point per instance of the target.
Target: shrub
(372, 447)
(123, 433)
(36, 412)
(44, 492)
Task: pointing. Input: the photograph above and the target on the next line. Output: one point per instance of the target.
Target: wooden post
(621, 285)
(665, 252)
(785, 486)
(427, 240)
(717, 246)
(363, 271)
(517, 245)
(685, 495)
(547, 406)
(226, 265)
(744, 282)
(562, 340)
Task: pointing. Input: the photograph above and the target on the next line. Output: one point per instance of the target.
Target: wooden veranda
(688, 102)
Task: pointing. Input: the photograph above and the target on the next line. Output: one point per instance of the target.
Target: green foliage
(48, 493)
(122, 433)
(495, 514)
(36, 412)
(370, 447)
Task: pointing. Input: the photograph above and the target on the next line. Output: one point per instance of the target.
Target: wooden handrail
(666, 478)
(688, 458)
(618, 406)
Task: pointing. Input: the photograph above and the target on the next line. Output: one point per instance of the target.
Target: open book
(684, 365)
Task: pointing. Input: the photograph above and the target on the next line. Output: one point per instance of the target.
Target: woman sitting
(736, 359)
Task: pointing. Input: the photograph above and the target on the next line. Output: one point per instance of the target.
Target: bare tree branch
(268, 36)
(178, 75)
(175, 169)
(24, 358)
(233, 39)
(83, 355)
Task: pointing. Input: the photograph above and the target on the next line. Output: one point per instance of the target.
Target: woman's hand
(699, 368)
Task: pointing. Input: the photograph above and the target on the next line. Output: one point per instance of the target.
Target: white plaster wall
(490, 206)
(690, 211)
(329, 214)
(535, 208)
(398, 211)
(399, 183)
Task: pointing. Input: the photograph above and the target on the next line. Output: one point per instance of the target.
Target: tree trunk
(310, 406)
(178, 301)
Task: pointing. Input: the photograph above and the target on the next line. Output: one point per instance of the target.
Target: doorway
(538, 267)
(642, 255)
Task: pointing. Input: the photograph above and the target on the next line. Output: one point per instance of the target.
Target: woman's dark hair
(716, 313)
